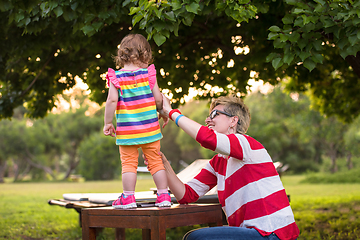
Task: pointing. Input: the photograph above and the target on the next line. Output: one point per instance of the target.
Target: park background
(304, 56)
(66, 152)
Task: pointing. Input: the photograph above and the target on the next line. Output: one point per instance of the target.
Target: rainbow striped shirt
(136, 116)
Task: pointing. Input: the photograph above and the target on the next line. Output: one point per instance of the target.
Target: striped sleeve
(207, 138)
(200, 184)
(228, 145)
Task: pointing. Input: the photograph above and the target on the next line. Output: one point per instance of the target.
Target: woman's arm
(204, 181)
(176, 186)
(189, 126)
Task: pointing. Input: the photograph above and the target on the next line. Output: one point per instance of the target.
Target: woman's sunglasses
(216, 112)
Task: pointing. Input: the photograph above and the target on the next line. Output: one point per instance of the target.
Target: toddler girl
(135, 98)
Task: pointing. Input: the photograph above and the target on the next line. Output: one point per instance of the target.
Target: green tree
(75, 127)
(11, 142)
(190, 149)
(99, 158)
(45, 44)
(45, 147)
(352, 142)
(272, 117)
(169, 145)
(41, 149)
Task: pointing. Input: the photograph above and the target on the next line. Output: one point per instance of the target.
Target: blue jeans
(227, 233)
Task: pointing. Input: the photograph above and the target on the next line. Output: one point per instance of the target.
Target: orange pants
(129, 155)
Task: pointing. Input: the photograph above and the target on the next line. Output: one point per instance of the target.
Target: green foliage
(352, 138)
(314, 34)
(330, 221)
(45, 148)
(308, 24)
(169, 146)
(99, 158)
(275, 124)
(10, 137)
(291, 133)
(44, 45)
(160, 19)
(189, 147)
(350, 176)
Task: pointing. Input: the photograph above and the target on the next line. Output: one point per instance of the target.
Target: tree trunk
(74, 162)
(46, 169)
(333, 157)
(25, 172)
(72, 167)
(349, 162)
(318, 152)
(39, 166)
(16, 171)
(3, 166)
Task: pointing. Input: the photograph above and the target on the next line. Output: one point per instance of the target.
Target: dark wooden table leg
(85, 225)
(88, 233)
(158, 231)
(120, 234)
(146, 234)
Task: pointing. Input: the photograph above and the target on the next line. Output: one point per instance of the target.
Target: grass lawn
(322, 211)
(325, 211)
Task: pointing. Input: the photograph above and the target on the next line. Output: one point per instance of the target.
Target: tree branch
(36, 165)
(37, 76)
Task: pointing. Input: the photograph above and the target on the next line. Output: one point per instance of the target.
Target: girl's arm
(159, 104)
(110, 107)
(158, 97)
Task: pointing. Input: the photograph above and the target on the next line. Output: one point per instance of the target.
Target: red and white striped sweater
(249, 187)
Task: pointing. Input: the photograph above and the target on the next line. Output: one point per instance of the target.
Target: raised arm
(189, 126)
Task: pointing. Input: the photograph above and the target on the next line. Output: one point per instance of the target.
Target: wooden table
(152, 220)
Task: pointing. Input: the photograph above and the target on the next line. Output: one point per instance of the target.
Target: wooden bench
(152, 220)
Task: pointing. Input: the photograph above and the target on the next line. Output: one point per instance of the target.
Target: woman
(249, 187)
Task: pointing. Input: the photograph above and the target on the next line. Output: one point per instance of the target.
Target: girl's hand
(164, 117)
(145, 160)
(109, 130)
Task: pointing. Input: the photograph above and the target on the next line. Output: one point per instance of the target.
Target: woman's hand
(163, 158)
(166, 105)
(176, 186)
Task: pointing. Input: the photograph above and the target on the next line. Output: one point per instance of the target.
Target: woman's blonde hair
(234, 106)
(134, 48)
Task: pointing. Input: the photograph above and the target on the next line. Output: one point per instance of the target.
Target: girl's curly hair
(134, 48)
